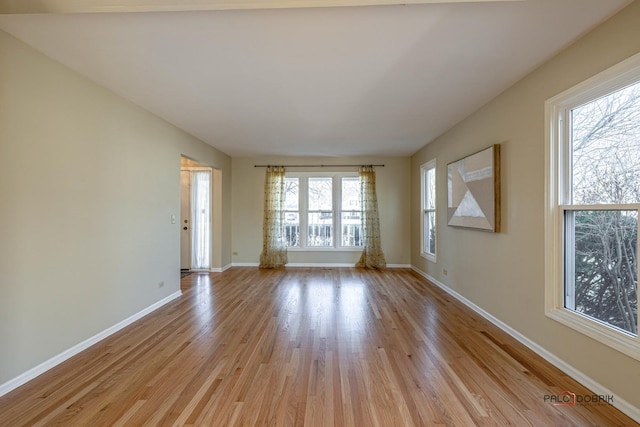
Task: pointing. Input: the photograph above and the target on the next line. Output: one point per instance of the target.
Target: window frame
(304, 232)
(292, 211)
(303, 212)
(424, 210)
(558, 201)
(342, 210)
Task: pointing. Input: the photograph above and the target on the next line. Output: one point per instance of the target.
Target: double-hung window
(323, 210)
(320, 212)
(428, 220)
(292, 211)
(351, 208)
(593, 188)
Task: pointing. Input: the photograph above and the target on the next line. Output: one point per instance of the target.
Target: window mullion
(602, 207)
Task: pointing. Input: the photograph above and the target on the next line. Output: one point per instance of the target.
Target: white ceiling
(338, 81)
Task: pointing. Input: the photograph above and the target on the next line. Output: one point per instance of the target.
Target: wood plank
(305, 346)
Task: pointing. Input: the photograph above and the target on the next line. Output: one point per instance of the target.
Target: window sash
(292, 214)
(321, 225)
(428, 238)
(570, 300)
(558, 201)
(350, 219)
(429, 241)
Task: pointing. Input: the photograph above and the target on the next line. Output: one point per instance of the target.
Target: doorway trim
(215, 209)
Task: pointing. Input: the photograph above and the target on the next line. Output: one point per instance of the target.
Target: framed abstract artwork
(473, 191)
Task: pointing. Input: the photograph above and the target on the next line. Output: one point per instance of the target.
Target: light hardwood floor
(326, 347)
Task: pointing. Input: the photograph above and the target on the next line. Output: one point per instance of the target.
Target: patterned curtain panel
(372, 256)
(274, 247)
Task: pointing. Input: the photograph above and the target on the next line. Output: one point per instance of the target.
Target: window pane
(291, 191)
(605, 135)
(351, 194)
(292, 215)
(320, 194)
(320, 229)
(292, 228)
(428, 189)
(430, 232)
(351, 229)
(430, 195)
(602, 267)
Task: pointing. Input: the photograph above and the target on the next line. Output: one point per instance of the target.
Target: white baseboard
(619, 403)
(56, 360)
(321, 264)
(220, 269)
(398, 265)
(317, 264)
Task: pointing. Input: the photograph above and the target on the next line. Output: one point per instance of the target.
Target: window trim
(338, 180)
(303, 211)
(557, 157)
(424, 169)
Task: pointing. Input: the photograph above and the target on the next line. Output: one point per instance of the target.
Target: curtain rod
(314, 166)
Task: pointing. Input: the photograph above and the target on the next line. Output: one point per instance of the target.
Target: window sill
(624, 342)
(429, 257)
(326, 249)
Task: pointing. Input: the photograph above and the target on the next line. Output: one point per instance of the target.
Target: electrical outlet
(161, 284)
(444, 271)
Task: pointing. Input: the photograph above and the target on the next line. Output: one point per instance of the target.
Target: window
(323, 211)
(428, 222)
(593, 160)
(351, 212)
(292, 211)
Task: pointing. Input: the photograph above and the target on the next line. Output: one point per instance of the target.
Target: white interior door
(185, 220)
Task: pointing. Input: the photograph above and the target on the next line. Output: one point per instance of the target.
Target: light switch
(173, 219)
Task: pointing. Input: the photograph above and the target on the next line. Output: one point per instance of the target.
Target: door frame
(215, 209)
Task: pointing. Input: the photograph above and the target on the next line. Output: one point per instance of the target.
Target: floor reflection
(200, 288)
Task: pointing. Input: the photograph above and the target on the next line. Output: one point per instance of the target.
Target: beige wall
(504, 273)
(392, 182)
(88, 183)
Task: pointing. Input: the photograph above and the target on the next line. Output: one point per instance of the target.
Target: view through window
(428, 186)
(601, 216)
(323, 211)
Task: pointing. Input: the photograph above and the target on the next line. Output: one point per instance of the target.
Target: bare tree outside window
(292, 211)
(351, 205)
(429, 210)
(320, 222)
(323, 211)
(601, 229)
